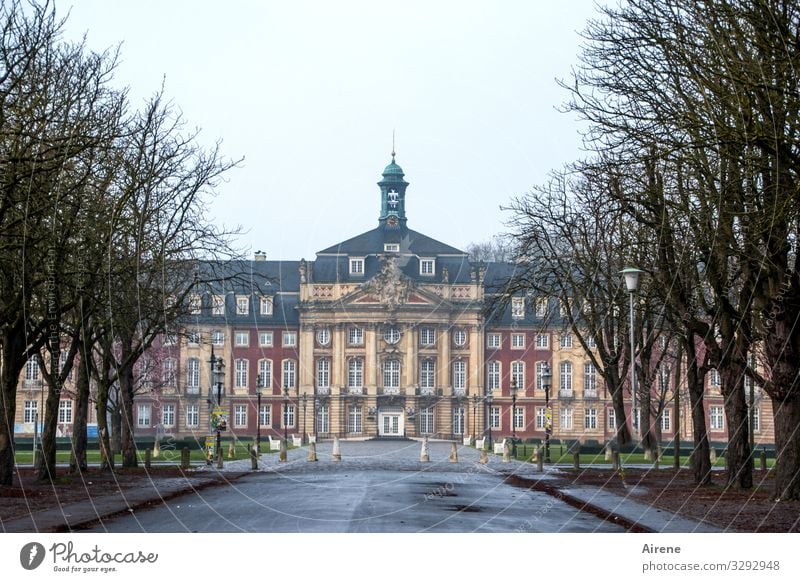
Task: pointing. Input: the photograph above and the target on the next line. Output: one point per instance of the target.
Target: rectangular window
(566, 418)
(265, 373)
(517, 341)
(30, 411)
(143, 416)
(193, 375)
(217, 338)
(354, 419)
(323, 373)
(565, 341)
(241, 373)
(240, 415)
(323, 419)
(289, 339)
(242, 305)
(493, 375)
(458, 420)
(590, 418)
(391, 248)
(714, 378)
(65, 411)
(264, 415)
(193, 338)
(519, 418)
(459, 375)
(194, 305)
(427, 337)
(517, 307)
(591, 343)
(540, 369)
(427, 266)
(265, 339)
(541, 306)
(218, 305)
(756, 419)
(266, 305)
(518, 374)
(289, 373)
(542, 341)
(612, 419)
(169, 365)
(493, 340)
(192, 415)
(540, 418)
(426, 420)
(494, 417)
(717, 421)
(391, 373)
(666, 420)
(242, 339)
(168, 415)
(589, 380)
(288, 415)
(356, 266)
(565, 376)
(427, 374)
(355, 336)
(355, 373)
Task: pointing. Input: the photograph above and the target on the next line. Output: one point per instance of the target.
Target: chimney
(260, 256)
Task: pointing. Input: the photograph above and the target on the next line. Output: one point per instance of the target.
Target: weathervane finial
(392, 145)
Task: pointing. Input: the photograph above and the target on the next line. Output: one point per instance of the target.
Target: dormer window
(517, 307)
(427, 266)
(357, 266)
(391, 248)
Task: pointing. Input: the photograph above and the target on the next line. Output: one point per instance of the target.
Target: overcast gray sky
(310, 92)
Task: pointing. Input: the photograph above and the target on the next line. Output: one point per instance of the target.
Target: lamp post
(303, 434)
(631, 275)
(475, 400)
(286, 416)
(548, 414)
(514, 418)
(260, 387)
(489, 399)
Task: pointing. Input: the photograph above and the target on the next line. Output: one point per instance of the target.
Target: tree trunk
(738, 459)
(116, 428)
(618, 402)
(13, 348)
(126, 403)
(47, 468)
(701, 459)
(106, 455)
(77, 461)
(787, 448)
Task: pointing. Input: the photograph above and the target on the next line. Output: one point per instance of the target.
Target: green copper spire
(393, 194)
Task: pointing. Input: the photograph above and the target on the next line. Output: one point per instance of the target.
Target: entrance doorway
(390, 424)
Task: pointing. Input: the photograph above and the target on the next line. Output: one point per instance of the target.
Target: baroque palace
(382, 335)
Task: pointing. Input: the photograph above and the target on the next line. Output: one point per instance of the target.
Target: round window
(459, 337)
(391, 335)
(324, 336)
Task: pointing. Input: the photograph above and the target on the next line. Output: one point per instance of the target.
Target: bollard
(185, 458)
(312, 452)
(453, 453)
(648, 455)
(576, 460)
(763, 461)
(713, 455)
(147, 454)
(157, 449)
(253, 459)
(615, 460)
(484, 457)
(337, 453)
(424, 457)
(506, 453)
(539, 460)
(231, 450)
(282, 455)
(608, 451)
(535, 456)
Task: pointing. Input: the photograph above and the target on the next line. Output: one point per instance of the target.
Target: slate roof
(410, 241)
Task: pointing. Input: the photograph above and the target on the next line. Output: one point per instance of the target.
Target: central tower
(393, 196)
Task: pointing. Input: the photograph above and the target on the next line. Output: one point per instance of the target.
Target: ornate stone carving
(389, 285)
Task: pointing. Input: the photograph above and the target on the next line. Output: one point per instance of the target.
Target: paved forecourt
(378, 486)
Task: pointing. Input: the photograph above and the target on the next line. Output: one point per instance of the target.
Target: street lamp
(475, 400)
(631, 275)
(514, 418)
(303, 434)
(286, 415)
(548, 413)
(489, 399)
(260, 387)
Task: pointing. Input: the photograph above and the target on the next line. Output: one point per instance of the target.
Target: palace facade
(382, 335)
